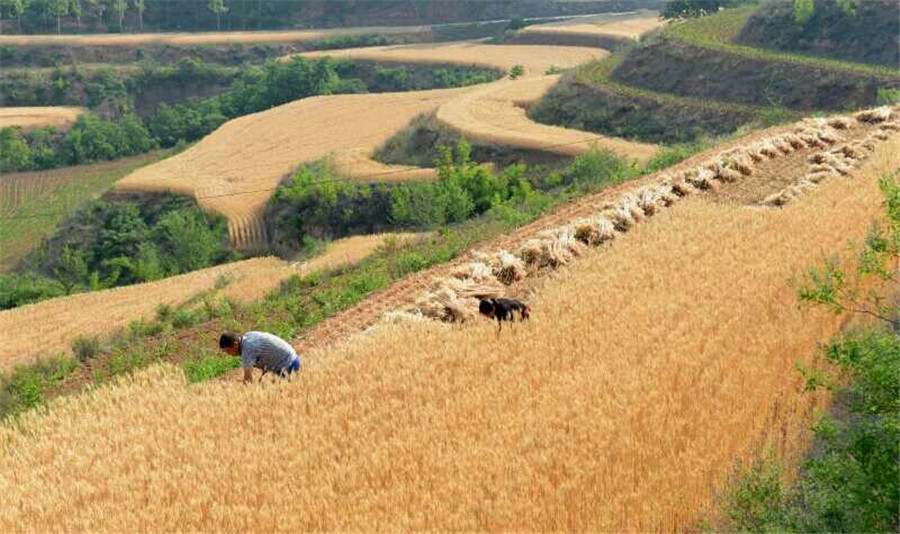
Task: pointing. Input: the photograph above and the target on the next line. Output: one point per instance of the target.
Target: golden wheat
(40, 116)
(496, 114)
(626, 28)
(646, 372)
(535, 60)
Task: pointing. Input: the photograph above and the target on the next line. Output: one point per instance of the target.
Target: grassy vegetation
(33, 203)
(716, 32)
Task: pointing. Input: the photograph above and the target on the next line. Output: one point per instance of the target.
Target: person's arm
(248, 375)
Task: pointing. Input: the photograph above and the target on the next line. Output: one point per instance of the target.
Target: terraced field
(576, 425)
(203, 38)
(628, 28)
(234, 170)
(41, 116)
(496, 114)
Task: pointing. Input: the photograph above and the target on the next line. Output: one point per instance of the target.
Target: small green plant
(887, 96)
(555, 70)
(223, 280)
(209, 366)
(184, 318)
(516, 71)
(163, 312)
(86, 347)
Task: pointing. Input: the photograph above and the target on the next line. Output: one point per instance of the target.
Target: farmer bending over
(260, 349)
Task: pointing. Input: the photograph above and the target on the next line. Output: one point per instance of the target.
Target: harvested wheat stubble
(628, 381)
(535, 60)
(203, 38)
(630, 28)
(234, 170)
(496, 114)
(50, 326)
(39, 116)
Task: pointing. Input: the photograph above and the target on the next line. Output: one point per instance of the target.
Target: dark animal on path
(504, 310)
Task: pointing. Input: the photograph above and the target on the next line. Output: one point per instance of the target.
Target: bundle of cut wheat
(665, 194)
(810, 138)
(740, 161)
(445, 305)
(680, 186)
(794, 140)
(839, 122)
(704, 179)
(726, 174)
(782, 144)
(648, 201)
(509, 269)
(594, 231)
(893, 126)
(471, 288)
(778, 199)
(530, 252)
(874, 115)
(767, 148)
(848, 151)
(475, 271)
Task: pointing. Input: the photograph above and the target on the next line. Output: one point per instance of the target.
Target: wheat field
(570, 423)
(630, 28)
(36, 117)
(535, 60)
(496, 114)
(203, 38)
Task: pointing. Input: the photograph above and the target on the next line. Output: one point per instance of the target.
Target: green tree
(516, 71)
(120, 7)
(140, 5)
(16, 8)
(148, 266)
(76, 10)
(15, 155)
(186, 240)
(58, 9)
(70, 269)
(218, 7)
(803, 11)
(97, 8)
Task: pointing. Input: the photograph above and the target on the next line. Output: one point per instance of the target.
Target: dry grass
(201, 38)
(40, 116)
(496, 114)
(627, 28)
(646, 371)
(50, 326)
(535, 60)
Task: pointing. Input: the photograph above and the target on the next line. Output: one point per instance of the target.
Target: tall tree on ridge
(140, 5)
(218, 7)
(120, 7)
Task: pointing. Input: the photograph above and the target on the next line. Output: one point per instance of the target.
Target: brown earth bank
(667, 65)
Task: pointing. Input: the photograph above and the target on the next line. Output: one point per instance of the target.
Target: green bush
(86, 347)
(185, 318)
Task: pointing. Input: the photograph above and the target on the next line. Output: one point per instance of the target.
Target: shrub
(86, 347)
(516, 71)
(185, 318)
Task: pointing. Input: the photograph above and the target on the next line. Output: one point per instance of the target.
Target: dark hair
(485, 307)
(228, 339)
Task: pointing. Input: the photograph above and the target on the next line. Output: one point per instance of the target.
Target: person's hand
(248, 375)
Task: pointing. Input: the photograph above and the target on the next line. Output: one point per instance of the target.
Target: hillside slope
(867, 31)
(577, 425)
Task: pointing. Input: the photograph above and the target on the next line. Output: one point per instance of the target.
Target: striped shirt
(266, 351)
